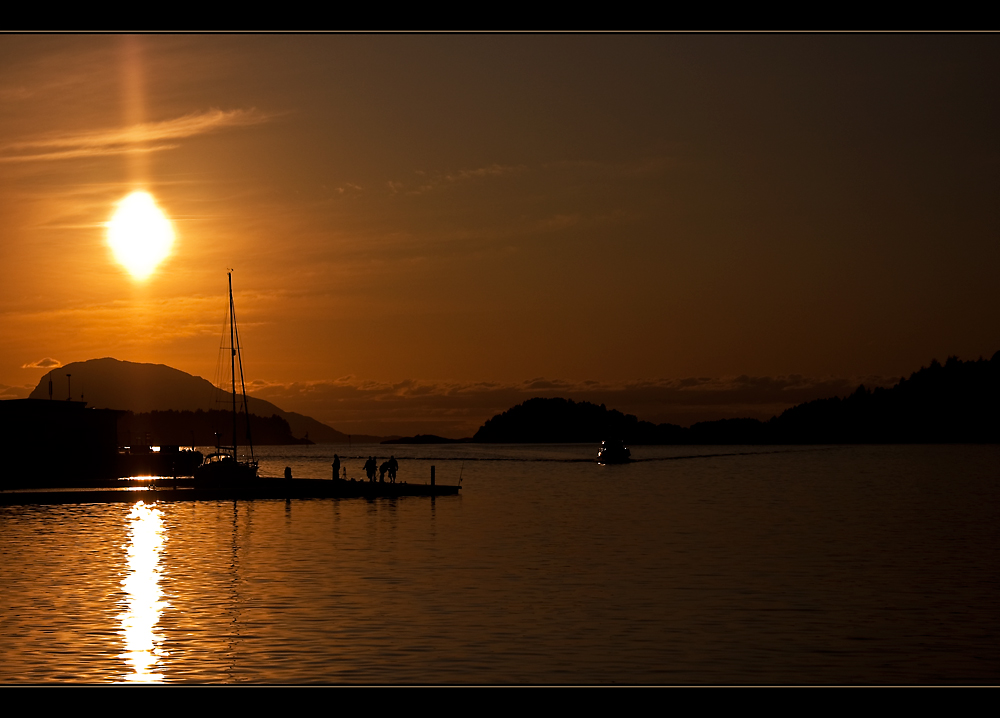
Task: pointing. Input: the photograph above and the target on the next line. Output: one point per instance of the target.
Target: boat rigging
(224, 464)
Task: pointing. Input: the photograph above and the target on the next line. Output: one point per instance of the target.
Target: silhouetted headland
(156, 388)
(950, 403)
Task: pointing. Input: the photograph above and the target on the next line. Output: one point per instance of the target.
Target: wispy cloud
(119, 140)
(14, 94)
(494, 170)
(46, 363)
(151, 320)
(639, 166)
(81, 152)
(458, 409)
(427, 181)
(14, 392)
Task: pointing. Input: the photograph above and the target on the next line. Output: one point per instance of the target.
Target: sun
(140, 234)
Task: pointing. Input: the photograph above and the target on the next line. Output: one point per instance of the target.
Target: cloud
(637, 167)
(45, 363)
(83, 152)
(458, 409)
(558, 222)
(14, 94)
(428, 181)
(158, 320)
(118, 140)
(494, 170)
(14, 392)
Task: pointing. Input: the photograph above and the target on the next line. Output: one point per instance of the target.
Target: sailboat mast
(232, 355)
(243, 387)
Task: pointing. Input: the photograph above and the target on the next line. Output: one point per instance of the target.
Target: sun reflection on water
(144, 602)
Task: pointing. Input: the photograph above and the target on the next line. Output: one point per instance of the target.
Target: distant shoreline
(950, 403)
(427, 439)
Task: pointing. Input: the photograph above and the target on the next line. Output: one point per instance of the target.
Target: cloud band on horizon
(456, 409)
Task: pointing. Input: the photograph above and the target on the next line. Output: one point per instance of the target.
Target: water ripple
(850, 565)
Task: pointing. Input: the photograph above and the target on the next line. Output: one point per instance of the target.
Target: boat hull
(226, 473)
(613, 452)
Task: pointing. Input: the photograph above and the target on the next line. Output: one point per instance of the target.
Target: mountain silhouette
(141, 388)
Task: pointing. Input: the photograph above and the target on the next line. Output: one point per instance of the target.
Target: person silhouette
(336, 467)
(381, 471)
(393, 468)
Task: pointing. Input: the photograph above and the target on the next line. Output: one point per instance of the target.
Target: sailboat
(225, 466)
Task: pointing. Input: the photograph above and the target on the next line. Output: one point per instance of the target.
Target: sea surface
(692, 565)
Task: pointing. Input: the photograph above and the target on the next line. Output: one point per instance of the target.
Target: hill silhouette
(950, 403)
(142, 388)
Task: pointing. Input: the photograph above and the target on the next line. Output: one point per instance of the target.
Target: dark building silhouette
(56, 443)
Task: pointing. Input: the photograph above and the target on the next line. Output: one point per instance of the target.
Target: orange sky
(417, 216)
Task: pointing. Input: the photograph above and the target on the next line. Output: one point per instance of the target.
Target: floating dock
(166, 489)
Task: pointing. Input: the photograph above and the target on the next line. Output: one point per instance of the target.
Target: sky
(425, 230)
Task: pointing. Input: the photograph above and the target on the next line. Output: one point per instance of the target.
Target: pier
(166, 489)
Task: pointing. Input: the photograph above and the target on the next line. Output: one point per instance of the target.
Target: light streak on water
(144, 597)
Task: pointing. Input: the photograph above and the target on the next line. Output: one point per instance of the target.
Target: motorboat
(613, 451)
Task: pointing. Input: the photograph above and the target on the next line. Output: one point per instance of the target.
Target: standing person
(393, 467)
(336, 467)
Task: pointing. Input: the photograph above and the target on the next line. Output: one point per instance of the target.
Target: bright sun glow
(140, 234)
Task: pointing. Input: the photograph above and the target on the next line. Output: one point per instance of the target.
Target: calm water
(829, 565)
